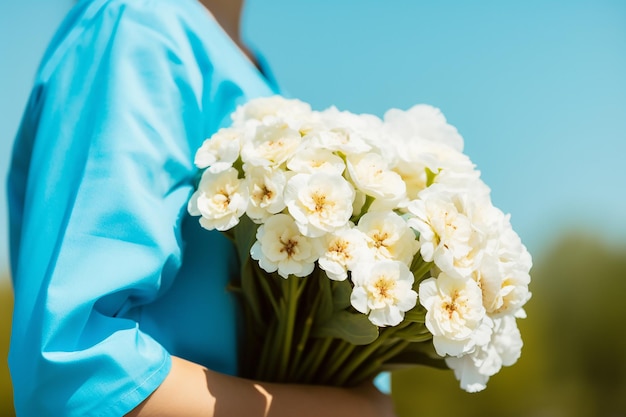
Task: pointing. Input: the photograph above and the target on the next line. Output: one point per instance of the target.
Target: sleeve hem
(132, 399)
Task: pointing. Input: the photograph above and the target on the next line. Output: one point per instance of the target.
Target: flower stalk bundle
(365, 244)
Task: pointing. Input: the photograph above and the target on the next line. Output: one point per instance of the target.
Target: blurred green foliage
(573, 362)
(6, 307)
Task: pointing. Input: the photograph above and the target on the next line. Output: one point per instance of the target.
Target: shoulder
(180, 31)
(140, 54)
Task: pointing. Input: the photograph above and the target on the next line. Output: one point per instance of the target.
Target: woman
(120, 299)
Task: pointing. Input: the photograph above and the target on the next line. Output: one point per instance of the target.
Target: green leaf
(415, 337)
(420, 269)
(418, 354)
(245, 236)
(341, 294)
(354, 328)
(430, 176)
(414, 332)
(416, 315)
(325, 307)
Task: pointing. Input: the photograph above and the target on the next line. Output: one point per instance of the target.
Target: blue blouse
(111, 275)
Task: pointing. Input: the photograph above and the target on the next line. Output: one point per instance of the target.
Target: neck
(228, 15)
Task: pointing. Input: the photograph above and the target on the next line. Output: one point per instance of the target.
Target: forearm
(191, 390)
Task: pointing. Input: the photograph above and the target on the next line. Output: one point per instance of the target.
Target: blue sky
(537, 88)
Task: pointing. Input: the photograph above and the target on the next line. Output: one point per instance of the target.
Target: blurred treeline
(573, 362)
(6, 306)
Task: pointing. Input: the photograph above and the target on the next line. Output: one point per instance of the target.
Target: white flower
(489, 279)
(280, 247)
(425, 123)
(388, 236)
(503, 274)
(515, 294)
(504, 287)
(338, 139)
(446, 234)
(420, 163)
(361, 131)
(319, 203)
(341, 251)
(456, 169)
(423, 141)
(503, 349)
(220, 151)
(383, 290)
(313, 159)
(265, 187)
(455, 314)
(270, 144)
(371, 174)
(510, 249)
(220, 199)
(263, 108)
(359, 202)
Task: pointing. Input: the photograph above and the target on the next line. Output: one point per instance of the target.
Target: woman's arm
(191, 390)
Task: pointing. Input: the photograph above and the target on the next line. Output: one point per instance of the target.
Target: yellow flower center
(384, 287)
(379, 239)
(339, 250)
(454, 304)
(320, 203)
(222, 197)
(289, 247)
(262, 193)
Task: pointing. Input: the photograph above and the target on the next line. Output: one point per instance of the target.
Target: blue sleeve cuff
(382, 382)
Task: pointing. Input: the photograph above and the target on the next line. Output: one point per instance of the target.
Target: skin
(228, 15)
(192, 390)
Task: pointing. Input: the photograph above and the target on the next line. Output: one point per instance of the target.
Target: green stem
(315, 356)
(362, 356)
(373, 351)
(308, 324)
(341, 354)
(248, 348)
(420, 267)
(263, 280)
(384, 348)
(290, 294)
(413, 331)
(268, 355)
(376, 365)
(390, 353)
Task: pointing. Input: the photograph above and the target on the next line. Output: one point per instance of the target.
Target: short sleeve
(101, 172)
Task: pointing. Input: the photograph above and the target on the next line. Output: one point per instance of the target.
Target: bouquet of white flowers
(365, 244)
